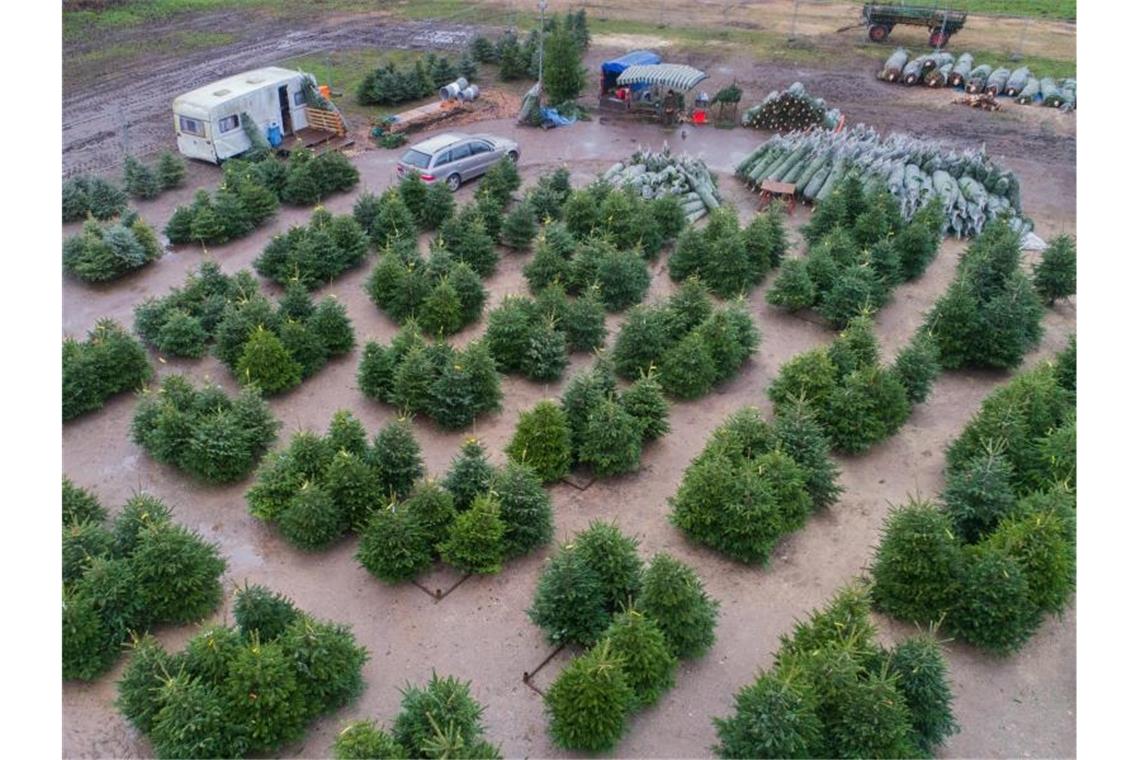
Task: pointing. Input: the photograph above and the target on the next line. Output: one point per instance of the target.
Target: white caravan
(208, 119)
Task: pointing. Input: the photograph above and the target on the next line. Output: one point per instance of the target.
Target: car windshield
(416, 159)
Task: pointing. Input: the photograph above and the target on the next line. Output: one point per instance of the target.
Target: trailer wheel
(878, 32)
(938, 38)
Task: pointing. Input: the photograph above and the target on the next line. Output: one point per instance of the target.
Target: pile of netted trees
(122, 577)
(859, 250)
(990, 315)
(728, 259)
(147, 182)
(791, 110)
(942, 69)
(451, 386)
(202, 431)
(85, 196)
(855, 398)
(971, 188)
(109, 250)
(534, 336)
(474, 520)
(390, 85)
(998, 552)
(242, 690)
(756, 482)
(440, 719)
(316, 254)
(110, 361)
(658, 174)
(835, 691)
(690, 344)
(251, 191)
(636, 622)
(595, 425)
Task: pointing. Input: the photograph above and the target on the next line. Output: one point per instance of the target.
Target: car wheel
(453, 182)
(513, 155)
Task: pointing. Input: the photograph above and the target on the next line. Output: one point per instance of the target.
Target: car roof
(439, 142)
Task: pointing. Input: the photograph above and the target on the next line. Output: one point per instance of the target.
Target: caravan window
(191, 126)
(228, 124)
(299, 98)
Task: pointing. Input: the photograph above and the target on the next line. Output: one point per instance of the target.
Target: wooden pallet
(328, 121)
(317, 140)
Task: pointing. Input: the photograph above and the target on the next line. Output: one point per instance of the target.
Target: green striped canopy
(675, 75)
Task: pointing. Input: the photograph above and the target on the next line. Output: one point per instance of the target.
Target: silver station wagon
(455, 157)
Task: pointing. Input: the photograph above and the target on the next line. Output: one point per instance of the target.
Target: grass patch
(1060, 10)
(79, 66)
(77, 23)
(344, 70)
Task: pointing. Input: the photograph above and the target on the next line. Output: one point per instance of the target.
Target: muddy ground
(1019, 706)
(1022, 705)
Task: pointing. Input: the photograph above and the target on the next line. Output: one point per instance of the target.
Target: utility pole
(541, 39)
(795, 17)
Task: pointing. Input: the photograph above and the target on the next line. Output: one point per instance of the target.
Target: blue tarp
(555, 118)
(635, 58)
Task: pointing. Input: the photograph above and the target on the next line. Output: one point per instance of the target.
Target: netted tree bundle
(972, 189)
(789, 110)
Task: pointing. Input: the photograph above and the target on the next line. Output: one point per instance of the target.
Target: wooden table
(771, 190)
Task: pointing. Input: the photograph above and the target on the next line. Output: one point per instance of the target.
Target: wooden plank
(329, 121)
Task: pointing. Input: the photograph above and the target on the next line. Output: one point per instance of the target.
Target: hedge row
(440, 719)
(85, 196)
(534, 337)
(475, 520)
(442, 295)
(451, 386)
(316, 254)
(857, 400)
(242, 690)
(637, 621)
(427, 207)
(103, 252)
(990, 315)
(318, 488)
(120, 579)
(108, 362)
(860, 250)
(1055, 275)
(834, 691)
(388, 85)
(251, 191)
(756, 482)
(203, 431)
(623, 218)
(693, 345)
(147, 182)
(185, 320)
(999, 552)
(728, 259)
(594, 425)
(273, 347)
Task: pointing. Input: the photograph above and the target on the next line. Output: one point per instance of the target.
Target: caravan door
(286, 109)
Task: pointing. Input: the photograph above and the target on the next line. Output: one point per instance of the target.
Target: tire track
(131, 107)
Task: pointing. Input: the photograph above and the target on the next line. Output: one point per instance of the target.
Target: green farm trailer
(881, 18)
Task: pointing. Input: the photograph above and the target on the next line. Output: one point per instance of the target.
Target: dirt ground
(1024, 705)
(1019, 706)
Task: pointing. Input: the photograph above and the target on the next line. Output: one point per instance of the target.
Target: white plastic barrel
(451, 91)
(469, 93)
